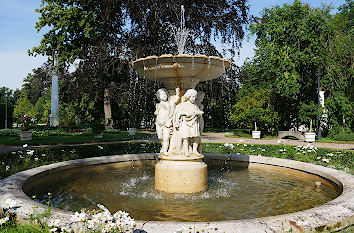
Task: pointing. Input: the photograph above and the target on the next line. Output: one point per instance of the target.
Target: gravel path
(206, 137)
(220, 137)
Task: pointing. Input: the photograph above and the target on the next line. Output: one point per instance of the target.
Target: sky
(18, 34)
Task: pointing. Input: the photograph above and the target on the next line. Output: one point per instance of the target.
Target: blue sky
(17, 35)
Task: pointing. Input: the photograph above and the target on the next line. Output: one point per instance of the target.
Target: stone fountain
(179, 114)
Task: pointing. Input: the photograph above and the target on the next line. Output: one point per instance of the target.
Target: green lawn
(121, 136)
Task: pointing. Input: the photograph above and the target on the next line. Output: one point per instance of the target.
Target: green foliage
(308, 112)
(41, 109)
(67, 114)
(253, 107)
(7, 97)
(344, 135)
(296, 44)
(23, 106)
(25, 228)
(13, 162)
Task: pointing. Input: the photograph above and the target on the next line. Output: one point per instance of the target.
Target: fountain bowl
(182, 70)
(332, 215)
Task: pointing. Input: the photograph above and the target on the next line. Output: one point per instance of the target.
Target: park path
(206, 137)
(220, 137)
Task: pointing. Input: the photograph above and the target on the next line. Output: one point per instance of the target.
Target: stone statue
(163, 122)
(187, 121)
(164, 116)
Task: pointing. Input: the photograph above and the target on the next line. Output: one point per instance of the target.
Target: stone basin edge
(330, 216)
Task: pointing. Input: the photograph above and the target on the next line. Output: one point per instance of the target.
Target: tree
(295, 46)
(94, 32)
(23, 106)
(255, 106)
(7, 97)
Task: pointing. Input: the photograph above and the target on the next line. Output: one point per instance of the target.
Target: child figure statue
(164, 112)
(187, 121)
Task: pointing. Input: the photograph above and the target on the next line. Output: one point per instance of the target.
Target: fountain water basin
(334, 214)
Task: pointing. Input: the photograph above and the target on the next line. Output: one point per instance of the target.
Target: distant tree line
(277, 88)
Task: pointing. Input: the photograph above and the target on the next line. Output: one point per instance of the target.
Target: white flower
(78, 217)
(106, 216)
(13, 152)
(90, 224)
(226, 144)
(180, 230)
(100, 147)
(326, 160)
(9, 203)
(25, 145)
(301, 223)
(53, 229)
(56, 223)
(36, 159)
(7, 167)
(263, 149)
(245, 145)
(281, 150)
(30, 152)
(43, 155)
(318, 157)
(66, 229)
(3, 220)
(97, 217)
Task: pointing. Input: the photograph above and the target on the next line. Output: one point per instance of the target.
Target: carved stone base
(182, 176)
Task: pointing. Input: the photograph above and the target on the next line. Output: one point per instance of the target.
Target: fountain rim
(154, 57)
(336, 213)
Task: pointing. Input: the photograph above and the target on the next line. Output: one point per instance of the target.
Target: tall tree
(107, 34)
(294, 47)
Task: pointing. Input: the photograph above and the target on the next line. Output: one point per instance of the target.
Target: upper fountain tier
(183, 70)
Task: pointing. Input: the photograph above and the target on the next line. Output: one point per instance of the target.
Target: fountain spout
(180, 34)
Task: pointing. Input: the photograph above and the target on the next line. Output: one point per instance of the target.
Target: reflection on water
(233, 193)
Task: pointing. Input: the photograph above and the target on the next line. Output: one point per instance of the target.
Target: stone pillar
(54, 116)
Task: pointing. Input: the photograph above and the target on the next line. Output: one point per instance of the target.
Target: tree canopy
(295, 45)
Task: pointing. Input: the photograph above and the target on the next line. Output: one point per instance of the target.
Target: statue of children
(163, 122)
(187, 120)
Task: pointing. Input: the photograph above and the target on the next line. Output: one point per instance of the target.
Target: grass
(27, 228)
(47, 140)
(329, 140)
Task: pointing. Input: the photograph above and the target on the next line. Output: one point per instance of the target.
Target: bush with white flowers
(96, 221)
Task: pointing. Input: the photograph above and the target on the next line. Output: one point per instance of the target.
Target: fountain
(245, 193)
(179, 121)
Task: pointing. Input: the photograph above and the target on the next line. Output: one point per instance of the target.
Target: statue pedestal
(181, 175)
